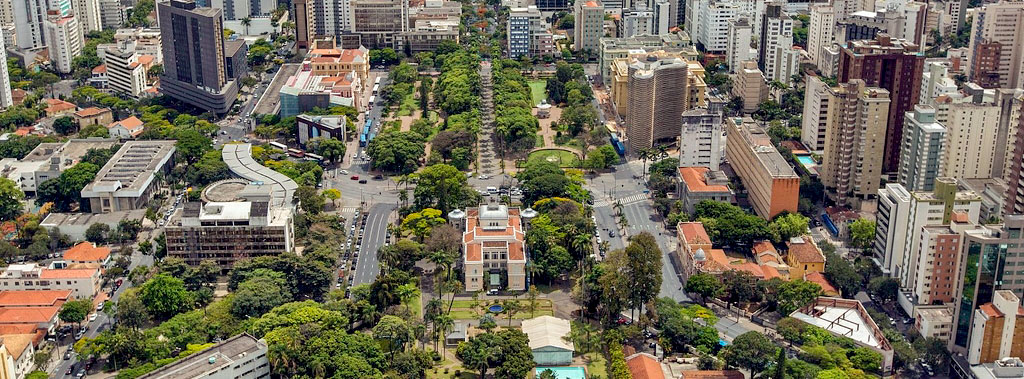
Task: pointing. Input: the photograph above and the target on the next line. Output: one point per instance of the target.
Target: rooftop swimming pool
(806, 160)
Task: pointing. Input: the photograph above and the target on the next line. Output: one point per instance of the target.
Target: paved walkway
(487, 158)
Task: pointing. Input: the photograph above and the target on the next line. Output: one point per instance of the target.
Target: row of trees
(514, 122)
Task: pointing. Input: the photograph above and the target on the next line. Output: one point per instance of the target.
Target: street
(374, 236)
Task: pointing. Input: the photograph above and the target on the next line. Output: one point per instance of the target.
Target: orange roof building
(644, 366)
(84, 283)
(769, 259)
(29, 315)
(94, 116)
(696, 184)
(826, 287)
(86, 252)
(128, 128)
(692, 238)
(493, 247)
(57, 107)
(34, 298)
(804, 257)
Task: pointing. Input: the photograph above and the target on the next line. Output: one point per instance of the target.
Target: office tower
(233, 9)
(997, 45)
(750, 86)
(892, 65)
(997, 329)
(815, 116)
(738, 51)
(992, 252)
(589, 25)
(921, 154)
(855, 128)
(378, 22)
(636, 21)
(661, 22)
(935, 81)
(528, 33)
(657, 96)
(302, 11)
(124, 73)
(700, 138)
(88, 14)
(707, 21)
(64, 40)
(552, 5)
(820, 31)
(772, 185)
(29, 16)
(1013, 173)
(228, 232)
(776, 35)
(5, 80)
(622, 72)
(971, 138)
(194, 63)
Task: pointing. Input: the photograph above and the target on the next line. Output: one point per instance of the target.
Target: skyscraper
(5, 79)
(776, 35)
(63, 39)
(855, 129)
(738, 50)
(921, 154)
(88, 13)
(193, 49)
(997, 45)
(894, 65)
(589, 25)
(378, 22)
(302, 10)
(657, 98)
(820, 32)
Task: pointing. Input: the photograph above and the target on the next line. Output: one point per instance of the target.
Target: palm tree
(662, 151)
(442, 326)
(443, 259)
(581, 243)
(623, 224)
(644, 155)
(406, 293)
(511, 307)
(246, 21)
(403, 196)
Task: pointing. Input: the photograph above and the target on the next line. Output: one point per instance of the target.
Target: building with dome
(493, 248)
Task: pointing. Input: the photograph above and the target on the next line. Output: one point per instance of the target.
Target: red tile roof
(87, 252)
(819, 279)
(694, 233)
(99, 69)
(130, 123)
(644, 366)
(805, 252)
(91, 111)
(473, 253)
(27, 315)
(515, 251)
(145, 59)
(696, 182)
(16, 344)
(18, 328)
(990, 310)
(33, 298)
(770, 272)
(959, 217)
(68, 273)
(23, 131)
(712, 374)
(57, 105)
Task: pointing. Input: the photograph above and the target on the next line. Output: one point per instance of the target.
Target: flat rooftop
(845, 318)
(72, 149)
(131, 169)
(212, 359)
(238, 157)
(757, 139)
(83, 219)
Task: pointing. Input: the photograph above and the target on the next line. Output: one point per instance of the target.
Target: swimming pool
(564, 372)
(806, 160)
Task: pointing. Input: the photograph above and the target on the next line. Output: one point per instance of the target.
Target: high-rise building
(921, 154)
(815, 116)
(227, 232)
(589, 26)
(332, 18)
(855, 128)
(528, 33)
(739, 50)
(997, 45)
(63, 39)
(662, 21)
(302, 10)
(750, 86)
(112, 14)
(771, 183)
(6, 99)
(125, 75)
(1013, 173)
(972, 134)
(636, 21)
(820, 31)
(622, 74)
(378, 22)
(700, 138)
(88, 14)
(997, 329)
(657, 96)
(935, 81)
(194, 64)
(776, 36)
(707, 21)
(893, 65)
(29, 16)
(552, 5)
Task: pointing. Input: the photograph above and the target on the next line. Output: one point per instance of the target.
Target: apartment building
(493, 248)
(624, 68)
(972, 134)
(707, 21)
(28, 18)
(125, 75)
(771, 184)
(820, 32)
(84, 283)
(1013, 166)
(636, 21)
(147, 41)
(814, 122)
(935, 322)
(311, 127)
(997, 329)
(242, 357)
(302, 11)
(589, 25)
(617, 48)
(128, 180)
(939, 255)
(750, 86)
(921, 157)
(700, 138)
(378, 22)
(63, 39)
(228, 232)
(658, 95)
(936, 81)
(855, 129)
(739, 50)
(776, 39)
(194, 56)
(528, 33)
(88, 14)
(6, 97)
(892, 65)
(112, 15)
(997, 45)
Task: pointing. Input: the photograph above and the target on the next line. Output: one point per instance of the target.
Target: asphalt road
(374, 236)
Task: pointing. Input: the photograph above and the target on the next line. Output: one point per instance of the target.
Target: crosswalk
(624, 201)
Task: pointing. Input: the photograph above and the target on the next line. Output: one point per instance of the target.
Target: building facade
(771, 183)
(776, 38)
(128, 180)
(194, 62)
(83, 283)
(997, 45)
(528, 33)
(854, 140)
(63, 39)
(657, 97)
(921, 155)
(700, 138)
(738, 49)
(227, 232)
(493, 247)
(589, 25)
(814, 122)
(820, 31)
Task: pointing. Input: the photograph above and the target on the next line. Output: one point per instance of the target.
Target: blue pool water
(496, 308)
(564, 372)
(806, 160)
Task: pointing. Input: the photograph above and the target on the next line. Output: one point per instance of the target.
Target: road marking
(624, 201)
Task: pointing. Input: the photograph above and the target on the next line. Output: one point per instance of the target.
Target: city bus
(376, 87)
(372, 99)
(296, 153)
(278, 145)
(313, 157)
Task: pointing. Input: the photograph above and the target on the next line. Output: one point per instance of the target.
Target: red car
(354, 177)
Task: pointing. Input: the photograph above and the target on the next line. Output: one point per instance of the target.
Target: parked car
(354, 177)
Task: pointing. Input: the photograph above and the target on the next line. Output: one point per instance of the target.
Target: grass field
(561, 157)
(409, 104)
(537, 90)
(596, 365)
(539, 142)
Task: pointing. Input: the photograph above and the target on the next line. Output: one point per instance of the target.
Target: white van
(492, 190)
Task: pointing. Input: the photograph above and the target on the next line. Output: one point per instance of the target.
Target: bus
(372, 99)
(362, 140)
(296, 153)
(377, 81)
(278, 145)
(376, 87)
(313, 157)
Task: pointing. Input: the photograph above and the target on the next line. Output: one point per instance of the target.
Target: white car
(92, 317)
(344, 172)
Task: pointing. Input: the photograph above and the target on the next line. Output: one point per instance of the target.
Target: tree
(332, 194)
(885, 288)
(130, 311)
(64, 125)
(740, 286)
(383, 56)
(789, 225)
(394, 331)
(331, 149)
(165, 296)
(396, 151)
(507, 351)
(643, 269)
(795, 294)
(862, 232)
(75, 311)
(842, 274)
(66, 189)
(10, 199)
(97, 233)
(422, 222)
(751, 350)
(780, 365)
(703, 284)
(309, 200)
(246, 22)
(258, 295)
(443, 187)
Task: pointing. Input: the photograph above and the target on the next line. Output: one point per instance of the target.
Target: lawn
(538, 90)
(596, 366)
(540, 141)
(464, 310)
(563, 158)
(409, 104)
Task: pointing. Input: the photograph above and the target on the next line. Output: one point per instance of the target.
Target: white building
(6, 99)
(921, 150)
(84, 283)
(738, 50)
(239, 357)
(820, 32)
(589, 25)
(815, 116)
(64, 39)
(528, 33)
(112, 15)
(28, 22)
(146, 42)
(707, 21)
(637, 21)
(337, 17)
(971, 138)
(776, 41)
(88, 14)
(125, 75)
(935, 81)
(700, 139)
(662, 21)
